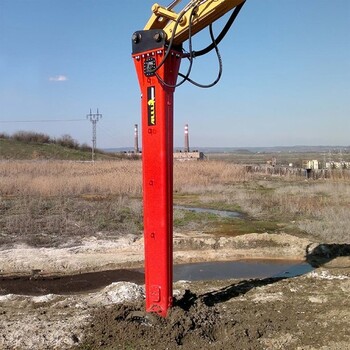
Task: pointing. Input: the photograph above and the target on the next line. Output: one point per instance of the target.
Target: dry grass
(57, 202)
(319, 208)
(58, 178)
(83, 198)
(41, 221)
(201, 176)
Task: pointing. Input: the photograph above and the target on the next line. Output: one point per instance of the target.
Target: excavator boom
(206, 12)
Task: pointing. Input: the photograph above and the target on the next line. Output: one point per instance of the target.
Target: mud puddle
(73, 284)
(37, 284)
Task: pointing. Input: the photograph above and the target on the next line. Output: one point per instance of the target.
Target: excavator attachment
(157, 53)
(157, 164)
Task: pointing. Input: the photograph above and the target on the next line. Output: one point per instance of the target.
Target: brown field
(63, 218)
(78, 197)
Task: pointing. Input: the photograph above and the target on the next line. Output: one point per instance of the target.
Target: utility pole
(94, 118)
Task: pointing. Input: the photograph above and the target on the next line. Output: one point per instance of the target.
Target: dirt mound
(191, 324)
(249, 314)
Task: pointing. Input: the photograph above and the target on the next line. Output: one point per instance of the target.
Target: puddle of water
(240, 269)
(222, 213)
(93, 281)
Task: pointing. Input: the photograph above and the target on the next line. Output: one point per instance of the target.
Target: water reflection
(240, 269)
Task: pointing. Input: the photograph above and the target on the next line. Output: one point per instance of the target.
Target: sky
(286, 73)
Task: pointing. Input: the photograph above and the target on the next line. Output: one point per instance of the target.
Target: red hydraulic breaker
(157, 68)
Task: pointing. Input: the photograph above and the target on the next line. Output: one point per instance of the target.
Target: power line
(42, 121)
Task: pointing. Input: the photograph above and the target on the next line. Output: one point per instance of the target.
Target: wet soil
(82, 283)
(309, 312)
(305, 312)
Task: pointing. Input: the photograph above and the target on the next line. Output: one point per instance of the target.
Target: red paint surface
(157, 167)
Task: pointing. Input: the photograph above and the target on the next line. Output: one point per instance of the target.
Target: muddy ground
(306, 312)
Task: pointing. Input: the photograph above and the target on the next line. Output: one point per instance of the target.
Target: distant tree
(85, 147)
(67, 141)
(3, 135)
(31, 137)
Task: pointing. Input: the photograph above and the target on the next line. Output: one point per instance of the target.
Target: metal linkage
(208, 11)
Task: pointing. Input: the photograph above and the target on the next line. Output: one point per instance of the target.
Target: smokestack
(136, 139)
(187, 141)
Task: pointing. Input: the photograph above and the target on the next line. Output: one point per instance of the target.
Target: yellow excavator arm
(205, 13)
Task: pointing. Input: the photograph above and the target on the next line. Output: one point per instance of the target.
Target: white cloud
(58, 78)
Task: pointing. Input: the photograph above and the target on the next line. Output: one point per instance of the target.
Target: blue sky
(286, 73)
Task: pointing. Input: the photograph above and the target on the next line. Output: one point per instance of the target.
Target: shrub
(67, 141)
(85, 147)
(3, 135)
(31, 137)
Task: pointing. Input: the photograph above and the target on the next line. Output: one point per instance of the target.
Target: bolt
(158, 37)
(136, 38)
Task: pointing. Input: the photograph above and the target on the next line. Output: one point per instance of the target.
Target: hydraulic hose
(222, 34)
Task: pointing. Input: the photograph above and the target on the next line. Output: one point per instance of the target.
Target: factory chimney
(136, 139)
(187, 141)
